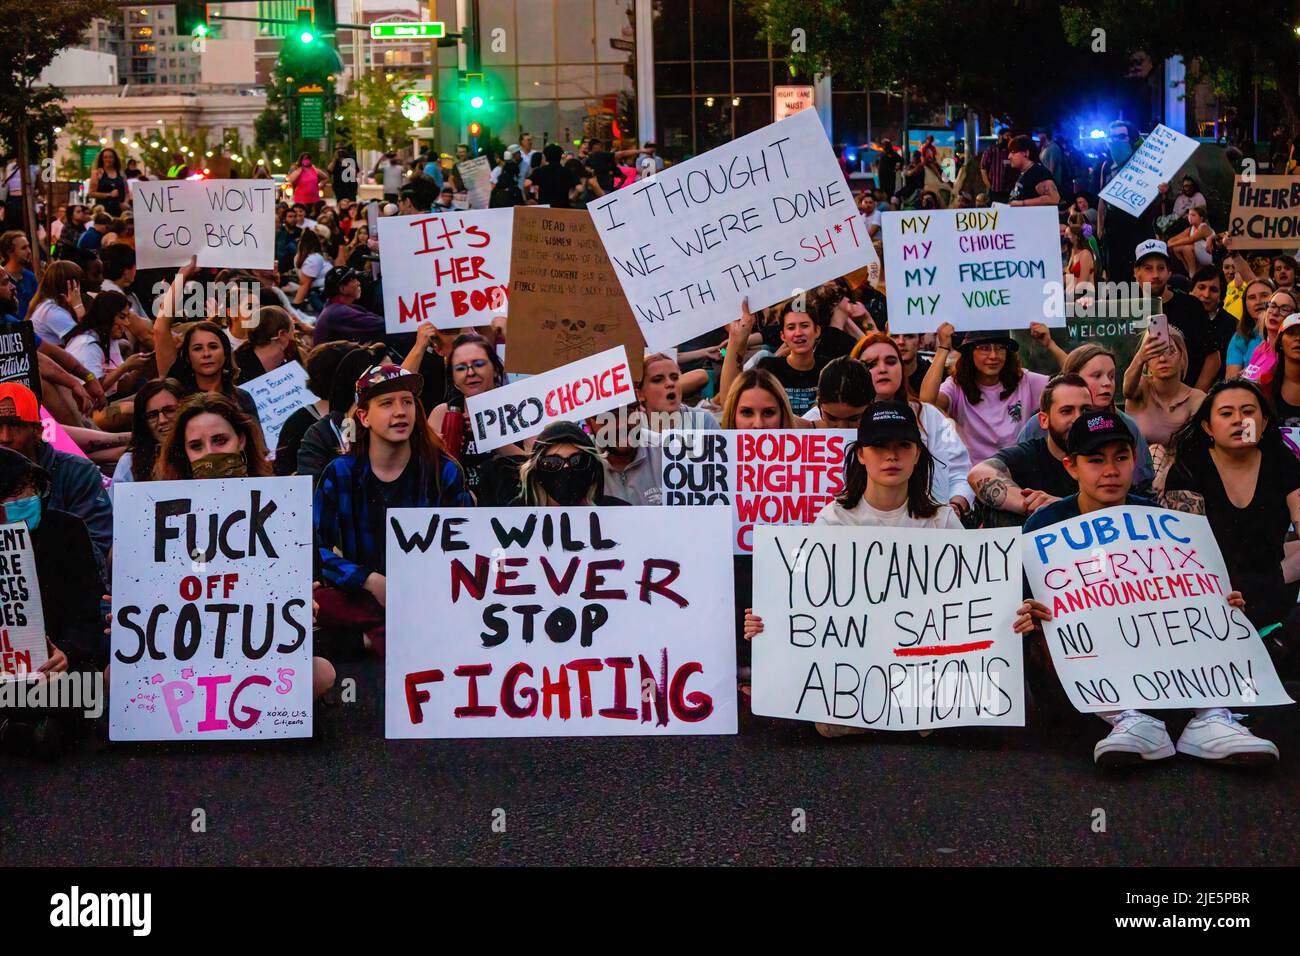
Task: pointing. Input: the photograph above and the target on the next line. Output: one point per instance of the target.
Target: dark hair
(427, 449)
(1192, 440)
(967, 378)
(920, 504)
(1072, 379)
(844, 381)
(143, 447)
(308, 244)
(271, 320)
(17, 471)
(1247, 326)
(322, 362)
(10, 239)
(1022, 144)
(117, 259)
(174, 464)
(99, 319)
(1209, 274)
(473, 338)
(183, 371)
(553, 152)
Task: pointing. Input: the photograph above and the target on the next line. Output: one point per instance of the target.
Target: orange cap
(18, 401)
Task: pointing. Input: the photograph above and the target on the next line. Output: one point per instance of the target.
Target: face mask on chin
(220, 465)
(24, 511)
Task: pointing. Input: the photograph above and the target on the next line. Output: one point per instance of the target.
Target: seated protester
(57, 304)
(397, 461)
(887, 485)
(1099, 455)
(1284, 392)
(633, 457)
(153, 412)
(842, 321)
(476, 367)
(93, 238)
(1207, 288)
(1232, 466)
(96, 342)
(76, 485)
(322, 362)
(989, 395)
(342, 318)
(311, 265)
(334, 433)
(270, 343)
(563, 469)
(797, 371)
(119, 275)
(1095, 364)
(660, 393)
(213, 438)
(1019, 480)
(843, 393)
(1254, 307)
(915, 365)
(1155, 395)
(1263, 361)
(1184, 313)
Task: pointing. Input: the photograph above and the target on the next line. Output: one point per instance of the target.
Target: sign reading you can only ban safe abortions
(1140, 617)
(559, 622)
(227, 223)
(888, 628)
(764, 216)
(976, 268)
(211, 635)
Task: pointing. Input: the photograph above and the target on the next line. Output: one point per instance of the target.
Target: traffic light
(306, 28)
(192, 19)
(475, 128)
(475, 91)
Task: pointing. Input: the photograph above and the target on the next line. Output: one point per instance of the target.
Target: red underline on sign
(941, 649)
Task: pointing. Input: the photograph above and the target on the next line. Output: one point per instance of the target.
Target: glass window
(752, 77)
(615, 20)
(536, 82)
(573, 122)
(745, 35)
(672, 78)
(536, 41)
(674, 126)
(710, 30)
(575, 38)
(538, 119)
(614, 79)
(573, 82)
(754, 112)
(672, 29)
(713, 78)
(712, 122)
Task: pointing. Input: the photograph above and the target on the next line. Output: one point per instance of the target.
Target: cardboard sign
(559, 622)
(976, 268)
(22, 618)
(788, 100)
(278, 394)
(888, 628)
(1265, 213)
(571, 393)
(765, 216)
(769, 477)
(227, 223)
(449, 268)
(1140, 616)
(476, 174)
(18, 362)
(566, 302)
(1156, 161)
(211, 634)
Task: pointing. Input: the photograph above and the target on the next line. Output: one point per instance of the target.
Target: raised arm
(934, 375)
(737, 347)
(163, 345)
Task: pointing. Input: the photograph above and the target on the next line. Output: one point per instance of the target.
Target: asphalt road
(351, 797)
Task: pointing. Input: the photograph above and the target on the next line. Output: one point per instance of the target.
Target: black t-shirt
(1222, 328)
(1286, 414)
(1026, 186)
(553, 183)
(1188, 316)
(833, 343)
(1032, 465)
(1250, 537)
(800, 386)
(923, 365)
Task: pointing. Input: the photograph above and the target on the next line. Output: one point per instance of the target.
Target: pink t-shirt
(307, 187)
(995, 422)
(1262, 362)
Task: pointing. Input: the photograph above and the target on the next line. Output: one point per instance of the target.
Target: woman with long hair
(1263, 360)
(1192, 245)
(322, 363)
(844, 391)
(797, 370)
(1155, 395)
(312, 265)
(269, 345)
(1254, 307)
(333, 434)
(57, 306)
(153, 413)
(757, 400)
(659, 393)
(96, 342)
(564, 469)
(108, 182)
(1081, 268)
(1284, 393)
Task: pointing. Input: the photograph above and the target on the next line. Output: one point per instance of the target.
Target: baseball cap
(1092, 430)
(1150, 247)
(337, 278)
(998, 337)
(883, 422)
(1290, 322)
(18, 401)
(381, 379)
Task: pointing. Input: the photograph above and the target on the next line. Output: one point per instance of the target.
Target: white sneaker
(1133, 737)
(1219, 737)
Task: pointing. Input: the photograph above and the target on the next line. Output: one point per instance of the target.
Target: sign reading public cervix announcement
(1140, 617)
(764, 216)
(211, 635)
(1265, 213)
(976, 268)
(451, 268)
(559, 622)
(888, 628)
(227, 223)
(776, 477)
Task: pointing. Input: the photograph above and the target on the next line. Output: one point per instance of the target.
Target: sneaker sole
(1242, 758)
(1129, 758)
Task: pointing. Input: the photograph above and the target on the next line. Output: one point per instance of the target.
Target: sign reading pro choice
(227, 223)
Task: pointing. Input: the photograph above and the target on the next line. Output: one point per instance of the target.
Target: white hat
(1290, 322)
(1150, 247)
(513, 150)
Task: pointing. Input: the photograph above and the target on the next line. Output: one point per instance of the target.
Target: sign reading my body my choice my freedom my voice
(764, 216)
(1140, 617)
(559, 622)
(227, 223)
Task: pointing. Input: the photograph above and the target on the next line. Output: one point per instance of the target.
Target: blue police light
(1097, 134)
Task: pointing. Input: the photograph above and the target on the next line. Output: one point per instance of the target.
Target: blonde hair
(757, 378)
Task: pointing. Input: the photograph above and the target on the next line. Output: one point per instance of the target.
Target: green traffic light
(476, 102)
(307, 36)
(201, 30)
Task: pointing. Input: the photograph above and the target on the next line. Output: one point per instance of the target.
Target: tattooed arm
(1188, 502)
(992, 482)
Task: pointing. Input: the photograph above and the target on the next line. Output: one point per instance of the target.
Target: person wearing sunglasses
(564, 469)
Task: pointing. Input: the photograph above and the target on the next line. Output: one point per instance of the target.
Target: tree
(79, 132)
(372, 113)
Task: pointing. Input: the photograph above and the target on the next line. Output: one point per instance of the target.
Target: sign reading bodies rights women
(559, 622)
(278, 394)
(976, 268)
(776, 477)
(1140, 617)
(571, 392)
(451, 268)
(211, 636)
(888, 628)
(1265, 213)
(227, 223)
(764, 216)
(1156, 161)
(22, 618)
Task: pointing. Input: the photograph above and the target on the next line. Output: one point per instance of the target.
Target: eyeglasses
(554, 463)
(167, 411)
(477, 365)
(1274, 307)
(989, 348)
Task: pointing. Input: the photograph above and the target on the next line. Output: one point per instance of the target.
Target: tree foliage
(372, 113)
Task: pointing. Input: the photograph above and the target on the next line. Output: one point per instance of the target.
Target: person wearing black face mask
(564, 469)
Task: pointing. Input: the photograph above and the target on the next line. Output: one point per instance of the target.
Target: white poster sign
(1156, 161)
(476, 174)
(22, 618)
(227, 223)
(788, 100)
(278, 394)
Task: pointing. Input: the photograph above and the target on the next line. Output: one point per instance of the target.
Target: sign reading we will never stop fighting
(1140, 617)
(777, 477)
(451, 269)
(211, 636)
(764, 216)
(559, 622)
(227, 223)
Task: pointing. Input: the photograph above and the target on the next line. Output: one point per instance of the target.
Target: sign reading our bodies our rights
(211, 636)
(502, 416)
(227, 223)
(764, 216)
(559, 622)
(278, 394)
(976, 268)
(1140, 617)
(1265, 213)
(451, 268)
(1156, 161)
(774, 477)
(22, 619)
(888, 628)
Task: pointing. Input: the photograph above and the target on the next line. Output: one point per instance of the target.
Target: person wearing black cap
(330, 437)
(342, 318)
(564, 468)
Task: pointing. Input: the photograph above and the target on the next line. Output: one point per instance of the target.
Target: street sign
(408, 31)
(788, 100)
(311, 116)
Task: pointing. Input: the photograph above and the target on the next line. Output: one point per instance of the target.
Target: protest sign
(211, 633)
(1156, 161)
(449, 268)
(976, 268)
(569, 393)
(888, 628)
(227, 223)
(55, 435)
(764, 216)
(476, 174)
(559, 622)
(18, 362)
(566, 302)
(278, 394)
(22, 619)
(770, 477)
(1291, 438)
(788, 100)
(1265, 213)
(1140, 617)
